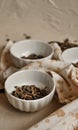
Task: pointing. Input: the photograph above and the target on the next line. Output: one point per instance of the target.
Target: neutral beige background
(43, 20)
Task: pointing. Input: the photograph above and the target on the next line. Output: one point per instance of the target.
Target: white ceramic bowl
(29, 77)
(27, 47)
(70, 55)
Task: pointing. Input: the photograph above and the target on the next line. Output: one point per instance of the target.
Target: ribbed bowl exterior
(32, 105)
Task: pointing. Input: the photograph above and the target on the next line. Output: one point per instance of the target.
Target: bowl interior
(70, 55)
(29, 77)
(27, 47)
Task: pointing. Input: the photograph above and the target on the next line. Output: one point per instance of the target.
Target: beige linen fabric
(65, 76)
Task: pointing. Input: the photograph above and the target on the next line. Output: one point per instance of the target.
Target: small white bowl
(29, 77)
(70, 55)
(27, 47)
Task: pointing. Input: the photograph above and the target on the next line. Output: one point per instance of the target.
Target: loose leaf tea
(27, 36)
(75, 64)
(8, 39)
(65, 44)
(33, 57)
(29, 92)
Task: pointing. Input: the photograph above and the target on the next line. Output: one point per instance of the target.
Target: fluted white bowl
(70, 55)
(27, 47)
(29, 77)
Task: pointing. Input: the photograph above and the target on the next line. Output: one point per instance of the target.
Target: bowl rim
(23, 100)
(67, 51)
(32, 60)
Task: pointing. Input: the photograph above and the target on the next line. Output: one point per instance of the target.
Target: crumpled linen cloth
(65, 75)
